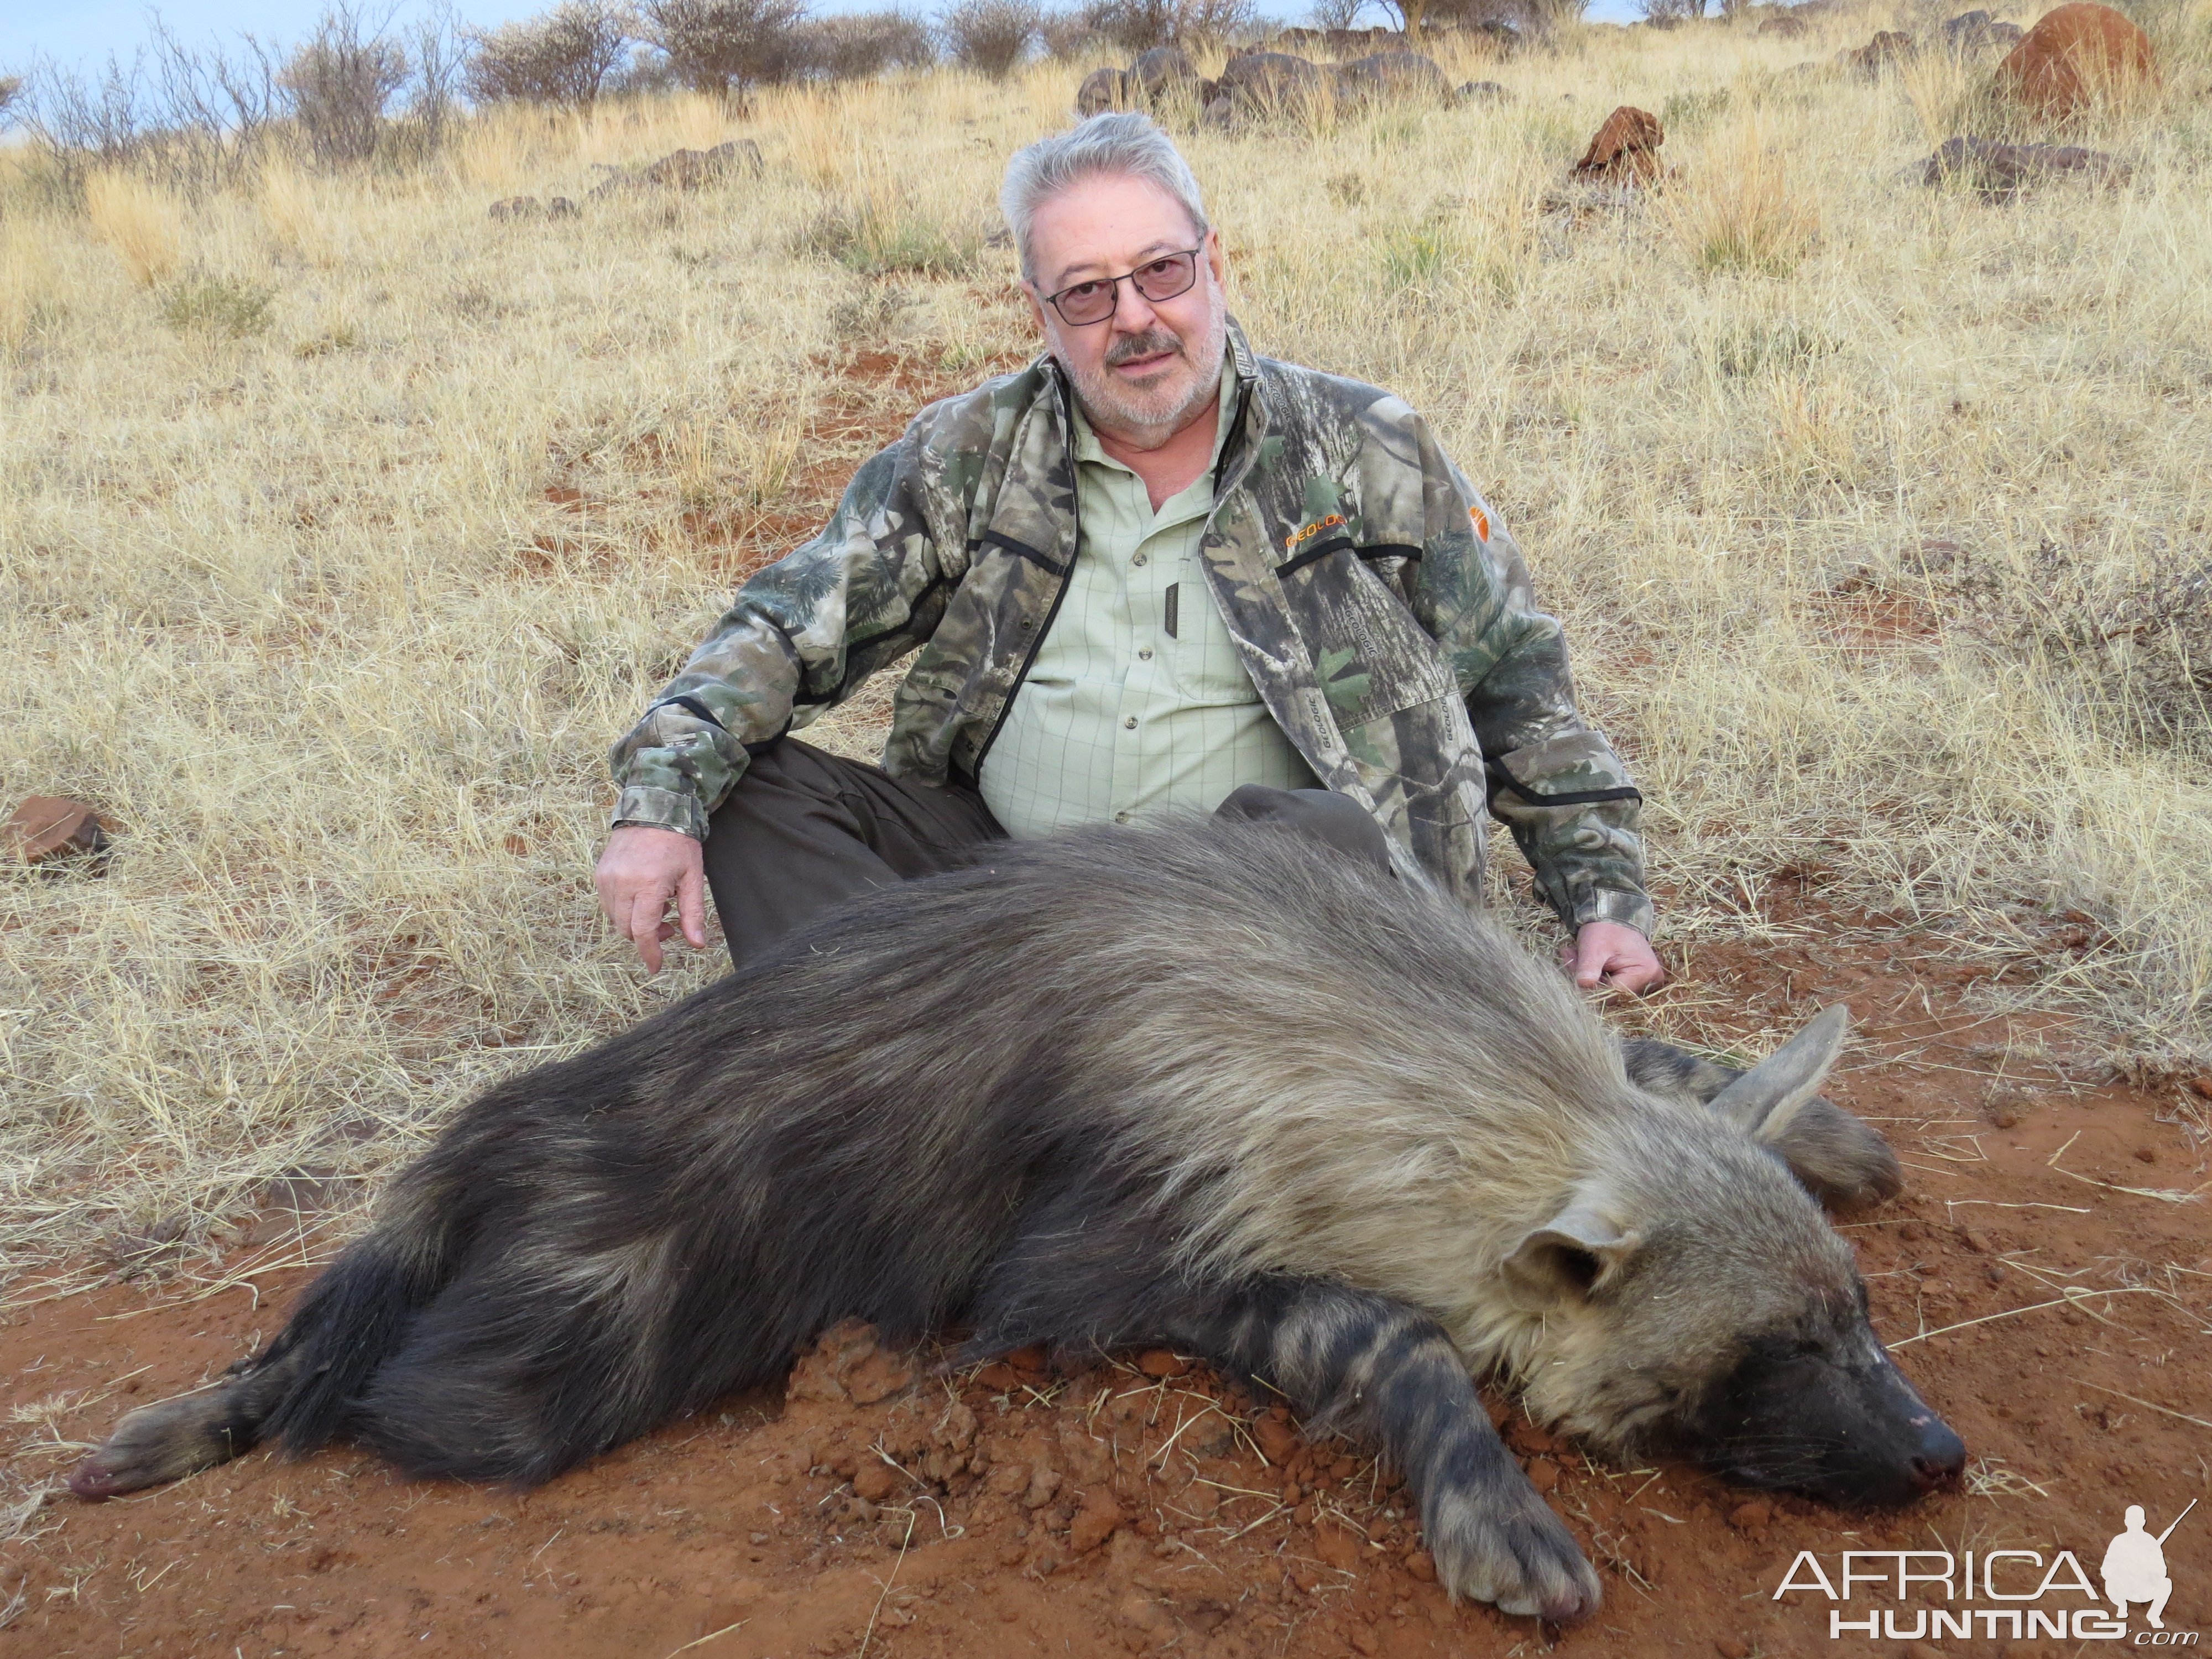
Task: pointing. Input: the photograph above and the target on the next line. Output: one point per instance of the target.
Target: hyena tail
(298, 1391)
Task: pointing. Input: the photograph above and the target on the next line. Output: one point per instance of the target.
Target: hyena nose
(1939, 1463)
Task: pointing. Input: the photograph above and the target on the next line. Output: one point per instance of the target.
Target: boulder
(1995, 170)
(1783, 26)
(516, 207)
(49, 829)
(1103, 89)
(1165, 71)
(1972, 31)
(687, 169)
(561, 208)
(2075, 56)
(1482, 92)
(1387, 74)
(1626, 150)
(1263, 85)
(1888, 46)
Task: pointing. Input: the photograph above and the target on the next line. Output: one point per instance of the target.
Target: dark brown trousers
(804, 829)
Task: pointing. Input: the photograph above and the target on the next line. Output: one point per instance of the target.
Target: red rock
(1336, 1547)
(998, 1377)
(1095, 1523)
(877, 1377)
(1626, 148)
(1422, 1565)
(2075, 57)
(1030, 1358)
(1158, 1362)
(1755, 1513)
(1277, 1441)
(1732, 1647)
(53, 827)
(1543, 1474)
(875, 1480)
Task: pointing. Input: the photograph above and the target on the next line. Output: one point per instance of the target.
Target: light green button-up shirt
(1138, 704)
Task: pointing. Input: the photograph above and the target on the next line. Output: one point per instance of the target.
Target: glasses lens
(1087, 303)
(1163, 279)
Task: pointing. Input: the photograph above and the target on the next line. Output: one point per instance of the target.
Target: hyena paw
(162, 1442)
(1509, 1548)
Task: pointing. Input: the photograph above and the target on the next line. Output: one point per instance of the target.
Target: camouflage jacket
(1383, 612)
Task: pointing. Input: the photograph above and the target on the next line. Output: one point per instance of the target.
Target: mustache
(1134, 346)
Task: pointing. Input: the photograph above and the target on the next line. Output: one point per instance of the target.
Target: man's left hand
(1614, 955)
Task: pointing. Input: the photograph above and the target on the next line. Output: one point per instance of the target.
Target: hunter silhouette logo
(2135, 1567)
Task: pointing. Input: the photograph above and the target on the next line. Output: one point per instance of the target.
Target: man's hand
(642, 870)
(1614, 955)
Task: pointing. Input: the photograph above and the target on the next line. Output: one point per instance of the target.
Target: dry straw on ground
(335, 616)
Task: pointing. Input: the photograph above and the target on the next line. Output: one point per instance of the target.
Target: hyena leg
(1379, 1371)
(173, 1439)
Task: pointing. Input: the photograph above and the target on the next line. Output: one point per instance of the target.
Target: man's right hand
(642, 870)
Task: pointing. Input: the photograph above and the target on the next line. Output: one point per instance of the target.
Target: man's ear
(1574, 1253)
(1037, 306)
(1840, 1160)
(1216, 260)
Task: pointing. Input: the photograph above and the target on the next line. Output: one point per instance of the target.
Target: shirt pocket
(1370, 657)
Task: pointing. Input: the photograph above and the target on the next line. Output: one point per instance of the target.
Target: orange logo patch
(1305, 533)
(1481, 523)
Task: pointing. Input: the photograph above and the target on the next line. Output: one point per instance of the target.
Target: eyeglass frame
(1130, 277)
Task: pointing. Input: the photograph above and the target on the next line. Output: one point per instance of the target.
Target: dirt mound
(2042, 1282)
(1625, 150)
(2077, 55)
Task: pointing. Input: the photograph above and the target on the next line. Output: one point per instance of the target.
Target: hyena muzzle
(1209, 1086)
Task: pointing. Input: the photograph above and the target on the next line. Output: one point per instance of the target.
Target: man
(1151, 571)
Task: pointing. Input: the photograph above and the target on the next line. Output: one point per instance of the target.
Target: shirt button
(1120, 817)
(1145, 654)
(1139, 559)
(1130, 722)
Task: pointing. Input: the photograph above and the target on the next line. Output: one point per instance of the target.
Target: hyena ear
(1568, 1257)
(1840, 1160)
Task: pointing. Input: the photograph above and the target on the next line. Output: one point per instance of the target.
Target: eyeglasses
(1083, 303)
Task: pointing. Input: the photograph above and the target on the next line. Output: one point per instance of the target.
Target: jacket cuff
(1612, 904)
(661, 809)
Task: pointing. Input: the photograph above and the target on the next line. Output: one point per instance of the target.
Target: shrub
(991, 35)
(217, 305)
(1138, 26)
(713, 46)
(861, 44)
(565, 57)
(339, 85)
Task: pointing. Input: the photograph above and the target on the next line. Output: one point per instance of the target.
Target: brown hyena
(1210, 1087)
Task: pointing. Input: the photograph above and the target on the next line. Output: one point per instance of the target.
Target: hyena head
(1695, 1302)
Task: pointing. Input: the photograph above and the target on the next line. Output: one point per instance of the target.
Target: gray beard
(1141, 420)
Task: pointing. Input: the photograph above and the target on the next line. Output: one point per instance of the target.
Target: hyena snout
(1848, 1432)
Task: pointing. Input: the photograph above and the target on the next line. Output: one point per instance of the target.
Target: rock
(877, 1377)
(1757, 1512)
(875, 1480)
(561, 208)
(1888, 46)
(1483, 92)
(2076, 56)
(50, 829)
(1422, 1565)
(1993, 170)
(1625, 149)
(1336, 1547)
(1543, 1474)
(1266, 86)
(1972, 31)
(1277, 1441)
(1165, 71)
(1784, 25)
(1158, 1362)
(1095, 1523)
(956, 1429)
(847, 1364)
(517, 207)
(1386, 75)
(1044, 1482)
(1103, 89)
(687, 169)
(1732, 1647)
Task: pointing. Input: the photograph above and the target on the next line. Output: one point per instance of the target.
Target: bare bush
(714, 45)
(1136, 26)
(196, 117)
(858, 45)
(440, 60)
(991, 35)
(339, 84)
(1336, 14)
(565, 57)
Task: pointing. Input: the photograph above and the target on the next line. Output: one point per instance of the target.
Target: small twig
(700, 1641)
(2033, 1307)
(2148, 1405)
(869, 1635)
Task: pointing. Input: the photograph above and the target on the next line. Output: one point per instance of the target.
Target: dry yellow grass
(335, 622)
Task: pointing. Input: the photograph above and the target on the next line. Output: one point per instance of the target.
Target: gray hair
(1126, 144)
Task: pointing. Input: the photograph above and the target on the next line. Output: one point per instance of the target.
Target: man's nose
(1133, 312)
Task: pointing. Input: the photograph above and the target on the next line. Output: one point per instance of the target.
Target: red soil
(886, 1508)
